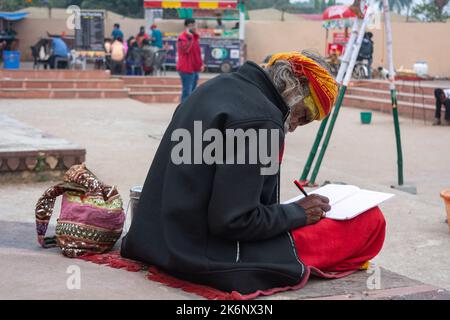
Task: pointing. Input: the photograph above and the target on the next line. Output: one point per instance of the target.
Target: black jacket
(221, 224)
(366, 49)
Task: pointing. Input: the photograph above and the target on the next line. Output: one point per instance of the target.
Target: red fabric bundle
(341, 246)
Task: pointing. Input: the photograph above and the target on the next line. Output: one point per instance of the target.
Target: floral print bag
(91, 218)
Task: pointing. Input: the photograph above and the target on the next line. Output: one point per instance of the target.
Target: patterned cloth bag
(91, 218)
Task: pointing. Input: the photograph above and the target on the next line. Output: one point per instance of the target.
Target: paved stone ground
(36, 273)
(121, 136)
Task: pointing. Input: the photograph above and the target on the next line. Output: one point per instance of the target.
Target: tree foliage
(397, 5)
(132, 8)
(430, 12)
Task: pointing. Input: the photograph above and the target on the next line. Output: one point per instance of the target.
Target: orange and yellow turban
(322, 86)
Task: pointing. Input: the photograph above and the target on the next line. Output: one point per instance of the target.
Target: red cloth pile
(341, 247)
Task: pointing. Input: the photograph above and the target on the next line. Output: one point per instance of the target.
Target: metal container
(135, 195)
(421, 68)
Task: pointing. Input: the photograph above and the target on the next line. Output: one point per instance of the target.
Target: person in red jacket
(189, 58)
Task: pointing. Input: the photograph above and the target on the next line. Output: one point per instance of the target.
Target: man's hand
(315, 207)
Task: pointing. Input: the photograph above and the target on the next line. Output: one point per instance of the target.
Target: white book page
(334, 192)
(347, 201)
(359, 202)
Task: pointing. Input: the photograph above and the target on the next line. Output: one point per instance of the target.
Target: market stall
(337, 17)
(7, 32)
(90, 39)
(222, 44)
(9, 41)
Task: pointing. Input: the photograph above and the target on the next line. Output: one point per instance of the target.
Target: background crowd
(139, 55)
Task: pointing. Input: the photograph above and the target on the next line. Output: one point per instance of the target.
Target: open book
(347, 201)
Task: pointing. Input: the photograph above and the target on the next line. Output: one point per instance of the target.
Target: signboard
(339, 37)
(183, 13)
(215, 52)
(200, 4)
(91, 35)
(335, 48)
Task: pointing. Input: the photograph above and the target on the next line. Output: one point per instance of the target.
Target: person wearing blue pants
(189, 58)
(189, 83)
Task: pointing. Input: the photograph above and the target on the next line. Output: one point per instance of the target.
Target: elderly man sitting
(209, 211)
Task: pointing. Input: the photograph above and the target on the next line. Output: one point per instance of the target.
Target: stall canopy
(192, 4)
(338, 17)
(13, 16)
(338, 12)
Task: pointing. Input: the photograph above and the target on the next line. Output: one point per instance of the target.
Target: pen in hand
(314, 212)
(299, 186)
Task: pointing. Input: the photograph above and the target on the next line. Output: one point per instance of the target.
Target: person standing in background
(141, 36)
(189, 58)
(156, 37)
(148, 54)
(125, 45)
(117, 33)
(442, 98)
(135, 59)
(219, 24)
(117, 56)
(366, 52)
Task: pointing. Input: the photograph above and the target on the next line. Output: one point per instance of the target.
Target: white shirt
(447, 93)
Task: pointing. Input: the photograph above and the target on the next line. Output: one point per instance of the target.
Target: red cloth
(341, 246)
(327, 246)
(114, 260)
(189, 53)
(140, 38)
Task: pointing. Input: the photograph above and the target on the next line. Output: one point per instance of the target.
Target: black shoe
(437, 122)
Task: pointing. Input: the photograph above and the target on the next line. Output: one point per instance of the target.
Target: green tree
(331, 3)
(440, 4)
(131, 8)
(259, 4)
(11, 5)
(430, 12)
(397, 5)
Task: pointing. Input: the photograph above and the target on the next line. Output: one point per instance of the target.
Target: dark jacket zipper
(238, 249)
(288, 233)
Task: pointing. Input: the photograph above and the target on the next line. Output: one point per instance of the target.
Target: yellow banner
(208, 5)
(171, 4)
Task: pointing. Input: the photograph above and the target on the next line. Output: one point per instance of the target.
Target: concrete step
(408, 109)
(63, 93)
(370, 99)
(62, 84)
(152, 80)
(416, 98)
(148, 80)
(55, 74)
(422, 87)
(156, 97)
(154, 88)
